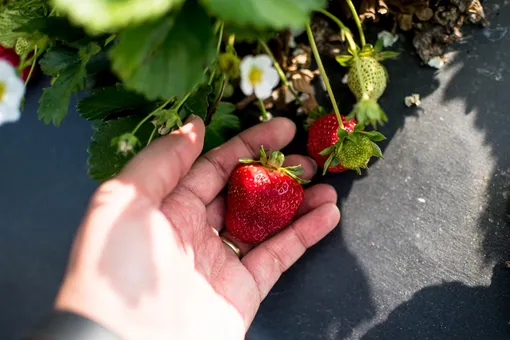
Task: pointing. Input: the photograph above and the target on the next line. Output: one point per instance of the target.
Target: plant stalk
(358, 22)
(34, 61)
(218, 48)
(143, 121)
(343, 28)
(324, 75)
(263, 110)
(152, 135)
(278, 68)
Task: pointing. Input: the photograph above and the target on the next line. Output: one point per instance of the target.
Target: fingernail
(314, 163)
(190, 118)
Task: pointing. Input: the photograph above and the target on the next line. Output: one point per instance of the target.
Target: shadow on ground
(451, 311)
(454, 310)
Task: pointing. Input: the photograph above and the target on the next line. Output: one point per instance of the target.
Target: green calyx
(368, 111)
(376, 52)
(353, 150)
(275, 163)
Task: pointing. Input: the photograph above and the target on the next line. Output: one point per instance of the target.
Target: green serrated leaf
(264, 13)
(58, 28)
(54, 102)
(107, 15)
(223, 121)
(166, 58)
(57, 59)
(198, 102)
(374, 135)
(249, 34)
(104, 160)
(109, 100)
(376, 151)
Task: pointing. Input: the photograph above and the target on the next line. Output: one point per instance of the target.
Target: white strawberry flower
(258, 76)
(388, 38)
(12, 90)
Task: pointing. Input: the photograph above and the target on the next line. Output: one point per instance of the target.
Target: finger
(244, 247)
(216, 211)
(270, 259)
(156, 170)
(316, 196)
(211, 172)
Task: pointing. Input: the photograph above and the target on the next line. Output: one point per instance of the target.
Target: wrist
(64, 325)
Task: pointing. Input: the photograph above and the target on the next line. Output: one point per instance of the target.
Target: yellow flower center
(255, 75)
(3, 89)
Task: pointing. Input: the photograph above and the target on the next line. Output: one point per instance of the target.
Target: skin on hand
(147, 262)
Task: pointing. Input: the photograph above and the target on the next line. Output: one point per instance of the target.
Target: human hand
(147, 262)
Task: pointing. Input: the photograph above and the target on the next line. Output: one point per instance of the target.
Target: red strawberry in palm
(263, 197)
(338, 149)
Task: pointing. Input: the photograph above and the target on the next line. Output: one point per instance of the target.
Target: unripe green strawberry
(355, 155)
(23, 47)
(367, 78)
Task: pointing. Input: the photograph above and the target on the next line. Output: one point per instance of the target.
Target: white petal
(387, 38)
(246, 65)
(15, 89)
(6, 70)
(263, 62)
(271, 77)
(263, 90)
(8, 114)
(246, 86)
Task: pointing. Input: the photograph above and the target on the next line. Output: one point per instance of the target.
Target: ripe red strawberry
(9, 55)
(263, 197)
(322, 134)
(339, 150)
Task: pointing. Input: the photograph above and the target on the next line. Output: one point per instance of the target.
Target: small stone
(413, 99)
(436, 62)
(421, 200)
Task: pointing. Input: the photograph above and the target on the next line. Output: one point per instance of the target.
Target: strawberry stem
(278, 68)
(358, 22)
(345, 30)
(34, 61)
(263, 110)
(324, 75)
(218, 49)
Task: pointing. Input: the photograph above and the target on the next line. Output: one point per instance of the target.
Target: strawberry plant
(142, 67)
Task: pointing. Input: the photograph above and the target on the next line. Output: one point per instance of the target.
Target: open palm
(148, 263)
